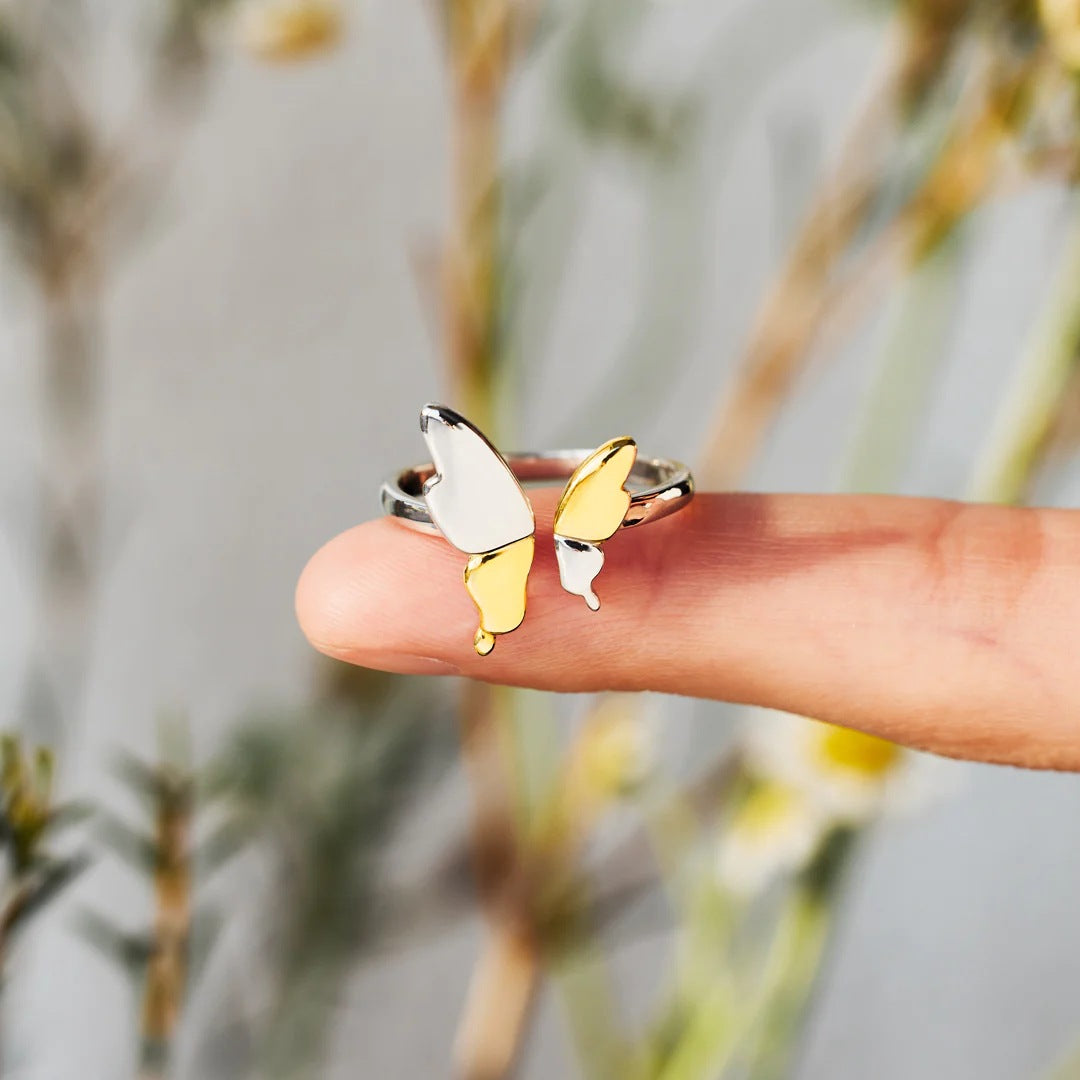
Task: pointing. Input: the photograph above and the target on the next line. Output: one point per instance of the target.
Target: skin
(945, 626)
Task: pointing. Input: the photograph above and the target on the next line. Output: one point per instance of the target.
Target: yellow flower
(775, 830)
(1061, 18)
(291, 29)
(849, 776)
(853, 753)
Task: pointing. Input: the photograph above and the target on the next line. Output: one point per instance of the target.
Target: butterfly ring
(473, 495)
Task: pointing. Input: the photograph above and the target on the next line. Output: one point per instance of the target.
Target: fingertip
(385, 596)
(359, 593)
(319, 601)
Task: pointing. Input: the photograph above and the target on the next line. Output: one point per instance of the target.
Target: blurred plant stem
(679, 143)
(794, 961)
(591, 1012)
(798, 300)
(158, 960)
(478, 35)
(312, 795)
(71, 501)
(1032, 406)
(29, 821)
(810, 289)
(699, 1029)
(69, 192)
(504, 981)
(529, 880)
(723, 1019)
(166, 987)
(663, 851)
(481, 35)
(764, 1040)
(501, 994)
(916, 328)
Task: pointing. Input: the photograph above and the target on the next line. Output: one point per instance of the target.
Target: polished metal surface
(658, 487)
(471, 495)
(476, 502)
(579, 563)
(592, 509)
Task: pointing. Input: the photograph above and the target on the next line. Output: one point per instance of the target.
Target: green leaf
(205, 931)
(68, 814)
(144, 780)
(131, 952)
(138, 850)
(221, 846)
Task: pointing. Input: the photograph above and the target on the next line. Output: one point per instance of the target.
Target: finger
(947, 626)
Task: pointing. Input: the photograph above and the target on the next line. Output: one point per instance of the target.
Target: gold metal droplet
(496, 582)
(595, 502)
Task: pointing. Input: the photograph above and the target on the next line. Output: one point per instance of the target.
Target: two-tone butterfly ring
(473, 495)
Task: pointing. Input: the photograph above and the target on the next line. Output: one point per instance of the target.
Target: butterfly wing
(474, 498)
(591, 509)
(595, 501)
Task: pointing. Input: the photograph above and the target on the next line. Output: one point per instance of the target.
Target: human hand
(945, 626)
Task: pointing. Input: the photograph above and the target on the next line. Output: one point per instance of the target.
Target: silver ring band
(658, 487)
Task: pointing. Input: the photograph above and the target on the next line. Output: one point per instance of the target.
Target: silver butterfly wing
(474, 498)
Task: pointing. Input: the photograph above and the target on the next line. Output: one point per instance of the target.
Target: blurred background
(806, 245)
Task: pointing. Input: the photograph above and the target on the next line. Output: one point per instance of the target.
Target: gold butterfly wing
(593, 506)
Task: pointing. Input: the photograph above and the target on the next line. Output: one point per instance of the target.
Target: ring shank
(658, 487)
